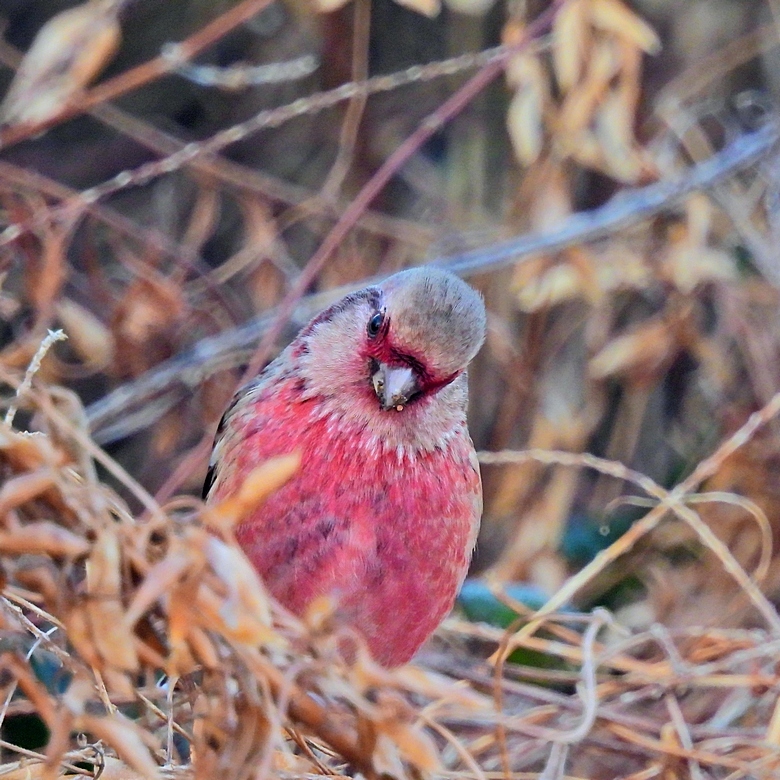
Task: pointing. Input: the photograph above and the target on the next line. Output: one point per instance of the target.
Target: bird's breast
(385, 529)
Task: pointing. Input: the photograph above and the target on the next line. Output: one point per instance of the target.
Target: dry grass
(166, 658)
(179, 219)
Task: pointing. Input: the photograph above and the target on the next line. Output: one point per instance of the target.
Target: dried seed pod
(524, 122)
(90, 338)
(639, 354)
(66, 55)
(571, 39)
(616, 18)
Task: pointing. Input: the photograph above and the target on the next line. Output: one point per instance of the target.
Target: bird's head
(389, 348)
(423, 329)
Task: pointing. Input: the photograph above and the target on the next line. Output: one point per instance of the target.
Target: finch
(383, 513)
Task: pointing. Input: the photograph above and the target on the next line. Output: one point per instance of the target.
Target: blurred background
(648, 345)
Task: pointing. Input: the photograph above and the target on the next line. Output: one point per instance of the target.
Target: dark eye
(375, 324)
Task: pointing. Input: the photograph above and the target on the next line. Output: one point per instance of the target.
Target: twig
(203, 156)
(361, 25)
(556, 762)
(148, 236)
(51, 338)
(232, 174)
(625, 209)
(683, 733)
(307, 710)
(462, 751)
(105, 460)
(241, 75)
(588, 690)
(670, 501)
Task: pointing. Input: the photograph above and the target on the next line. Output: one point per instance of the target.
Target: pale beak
(394, 386)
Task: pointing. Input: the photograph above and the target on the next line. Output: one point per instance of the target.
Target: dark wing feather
(211, 474)
(248, 389)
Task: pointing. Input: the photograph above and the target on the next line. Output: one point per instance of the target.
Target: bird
(383, 513)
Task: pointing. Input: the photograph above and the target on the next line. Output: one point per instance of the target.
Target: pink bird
(383, 513)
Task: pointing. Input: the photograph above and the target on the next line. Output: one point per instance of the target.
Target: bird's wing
(250, 389)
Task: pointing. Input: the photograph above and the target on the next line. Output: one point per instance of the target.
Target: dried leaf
(429, 8)
(40, 575)
(470, 7)
(286, 763)
(613, 16)
(415, 746)
(66, 55)
(160, 579)
(386, 758)
(690, 260)
(202, 648)
(110, 633)
(145, 322)
(444, 690)
(79, 633)
(547, 186)
(114, 769)
(578, 109)
(30, 769)
(556, 284)
(614, 122)
(181, 623)
(29, 451)
(525, 121)
(643, 352)
(688, 267)
(237, 624)
(570, 43)
(629, 82)
(43, 537)
(260, 483)
(621, 268)
(245, 612)
(48, 272)
(90, 338)
(321, 611)
(328, 6)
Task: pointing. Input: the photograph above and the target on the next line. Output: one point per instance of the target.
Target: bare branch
(116, 415)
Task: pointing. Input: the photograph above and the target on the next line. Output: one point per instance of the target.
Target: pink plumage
(383, 514)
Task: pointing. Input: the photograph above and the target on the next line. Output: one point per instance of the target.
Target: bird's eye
(375, 324)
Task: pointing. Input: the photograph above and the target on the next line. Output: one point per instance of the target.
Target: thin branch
(48, 342)
(180, 375)
(625, 209)
(142, 74)
(669, 501)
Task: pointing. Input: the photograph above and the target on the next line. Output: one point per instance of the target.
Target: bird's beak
(394, 386)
